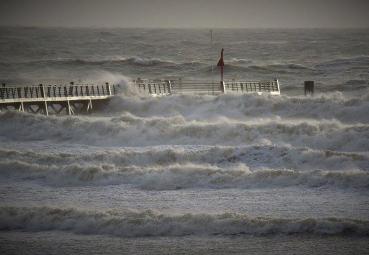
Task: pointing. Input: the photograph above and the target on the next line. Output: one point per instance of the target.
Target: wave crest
(181, 176)
(149, 223)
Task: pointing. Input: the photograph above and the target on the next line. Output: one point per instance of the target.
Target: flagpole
(211, 52)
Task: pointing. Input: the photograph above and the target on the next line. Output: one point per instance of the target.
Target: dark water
(336, 59)
(188, 174)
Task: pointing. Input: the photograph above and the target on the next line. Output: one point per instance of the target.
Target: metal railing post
(169, 87)
(108, 88)
(2, 91)
(42, 90)
(19, 92)
(222, 87)
(71, 88)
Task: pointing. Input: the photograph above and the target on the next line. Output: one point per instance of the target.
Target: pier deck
(73, 98)
(81, 98)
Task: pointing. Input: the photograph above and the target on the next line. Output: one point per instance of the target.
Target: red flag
(221, 65)
(221, 61)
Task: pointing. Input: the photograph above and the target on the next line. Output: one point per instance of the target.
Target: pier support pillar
(89, 106)
(21, 107)
(46, 110)
(69, 110)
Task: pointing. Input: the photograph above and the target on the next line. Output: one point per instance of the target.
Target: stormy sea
(188, 174)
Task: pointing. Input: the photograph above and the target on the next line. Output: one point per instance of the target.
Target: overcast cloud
(186, 13)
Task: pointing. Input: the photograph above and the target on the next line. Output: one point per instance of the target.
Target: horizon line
(208, 28)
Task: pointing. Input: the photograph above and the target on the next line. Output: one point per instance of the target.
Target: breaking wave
(256, 157)
(148, 223)
(339, 64)
(178, 176)
(130, 130)
(234, 65)
(134, 61)
(323, 106)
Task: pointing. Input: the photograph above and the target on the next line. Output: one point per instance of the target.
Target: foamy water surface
(188, 173)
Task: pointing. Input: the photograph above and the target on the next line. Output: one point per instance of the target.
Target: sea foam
(148, 223)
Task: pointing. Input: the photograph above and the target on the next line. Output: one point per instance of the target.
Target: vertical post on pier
(2, 91)
(6, 91)
(221, 65)
(19, 90)
(309, 87)
(222, 87)
(42, 92)
(278, 88)
(169, 84)
(150, 91)
(71, 88)
(108, 88)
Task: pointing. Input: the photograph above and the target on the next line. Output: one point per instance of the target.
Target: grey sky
(186, 13)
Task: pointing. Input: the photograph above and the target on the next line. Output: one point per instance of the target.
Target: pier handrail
(179, 86)
(48, 91)
(271, 87)
(154, 87)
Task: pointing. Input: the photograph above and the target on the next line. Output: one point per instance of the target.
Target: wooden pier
(71, 99)
(179, 86)
(83, 98)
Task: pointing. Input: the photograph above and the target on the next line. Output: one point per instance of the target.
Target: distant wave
(239, 65)
(240, 61)
(269, 67)
(357, 83)
(345, 63)
(233, 65)
(133, 61)
(148, 223)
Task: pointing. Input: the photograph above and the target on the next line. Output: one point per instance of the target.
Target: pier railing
(196, 87)
(260, 87)
(78, 98)
(154, 87)
(72, 98)
(53, 92)
(179, 86)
